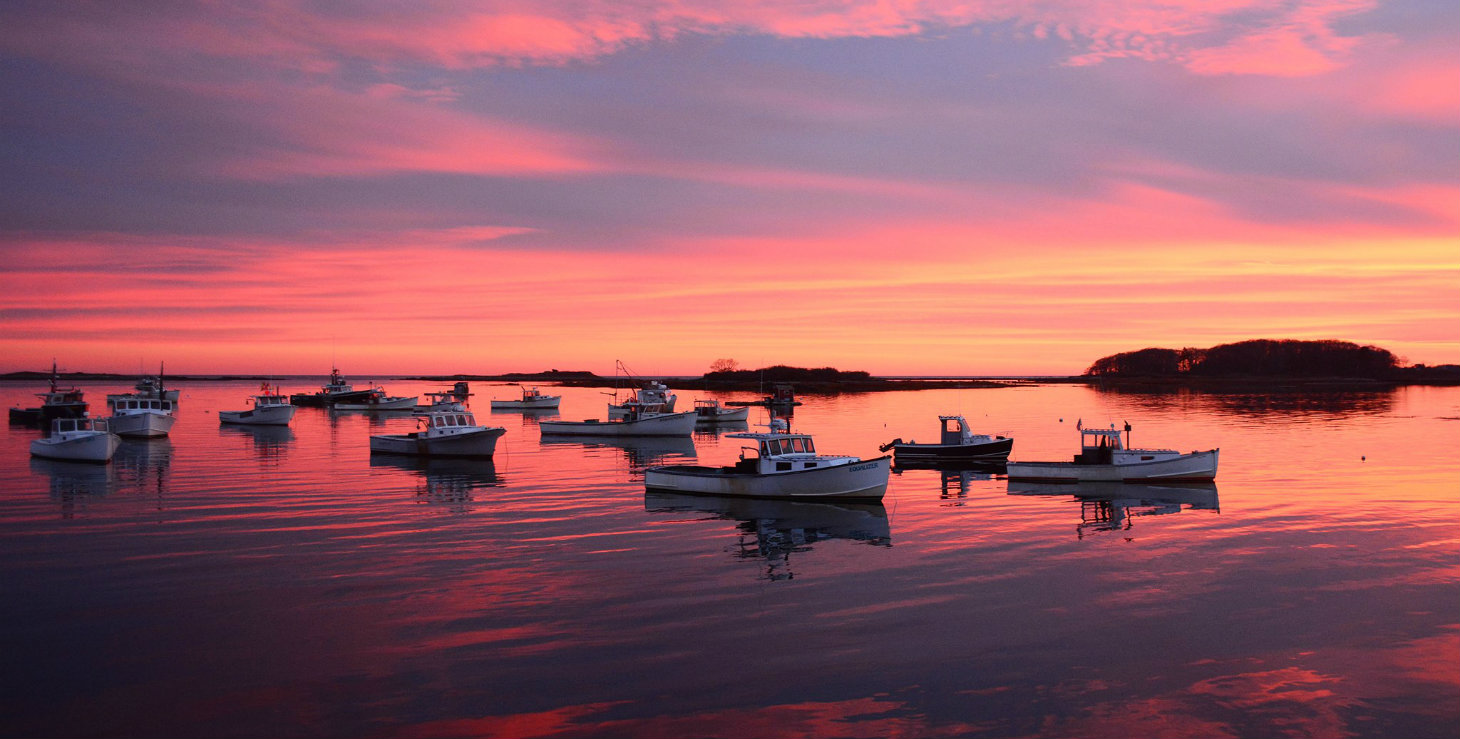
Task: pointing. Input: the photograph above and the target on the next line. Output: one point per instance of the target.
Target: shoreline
(829, 387)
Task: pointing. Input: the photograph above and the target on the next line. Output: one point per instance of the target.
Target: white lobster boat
(783, 465)
(1103, 458)
(639, 422)
(532, 399)
(270, 408)
(79, 440)
(377, 400)
(711, 411)
(135, 415)
(453, 433)
(654, 395)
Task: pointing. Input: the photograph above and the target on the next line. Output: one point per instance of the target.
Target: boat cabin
(125, 405)
(63, 426)
(445, 424)
(776, 452)
(955, 431)
(266, 400)
(1098, 446)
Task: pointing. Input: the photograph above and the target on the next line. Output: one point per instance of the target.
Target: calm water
(229, 582)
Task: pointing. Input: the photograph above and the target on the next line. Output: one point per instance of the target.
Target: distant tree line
(783, 373)
(1259, 357)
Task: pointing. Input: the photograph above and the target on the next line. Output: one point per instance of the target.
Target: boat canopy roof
(764, 435)
(1101, 437)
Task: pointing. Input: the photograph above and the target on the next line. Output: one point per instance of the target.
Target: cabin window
(810, 447)
(798, 445)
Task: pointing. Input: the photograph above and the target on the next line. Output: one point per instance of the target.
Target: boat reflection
(1113, 506)
(773, 529)
(376, 417)
(270, 443)
(709, 431)
(142, 466)
(955, 480)
(640, 451)
(73, 483)
(443, 480)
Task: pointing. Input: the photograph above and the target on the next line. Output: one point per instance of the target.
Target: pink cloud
(323, 131)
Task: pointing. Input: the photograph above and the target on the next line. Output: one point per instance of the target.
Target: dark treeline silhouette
(783, 373)
(1256, 358)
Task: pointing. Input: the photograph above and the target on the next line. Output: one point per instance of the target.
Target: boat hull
(481, 443)
(141, 425)
(994, 451)
(668, 424)
(724, 415)
(1194, 467)
(388, 404)
(279, 415)
(865, 480)
(98, 447)
(550, 401)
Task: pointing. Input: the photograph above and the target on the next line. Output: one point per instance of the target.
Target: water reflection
(443, 481)
(1274, 406)
(708, 431)
(142, 466)
(1113, 506)
(773, 529)
(376, 418)
(640, 452)
(73, 483)
(270, 443)
(956, 480)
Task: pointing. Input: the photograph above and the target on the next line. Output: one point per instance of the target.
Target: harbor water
(235, 581)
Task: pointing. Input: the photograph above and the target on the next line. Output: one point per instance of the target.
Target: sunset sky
(903, 187)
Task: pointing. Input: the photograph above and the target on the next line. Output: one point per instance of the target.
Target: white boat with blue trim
(1104, 458)
(780, 465)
